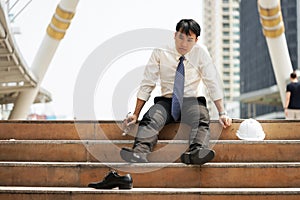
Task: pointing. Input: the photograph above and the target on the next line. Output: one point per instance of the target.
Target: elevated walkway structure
(57, 160)
(265, 96)
(15, 76)
(56, 31)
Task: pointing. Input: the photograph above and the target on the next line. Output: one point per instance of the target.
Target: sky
(95, 22)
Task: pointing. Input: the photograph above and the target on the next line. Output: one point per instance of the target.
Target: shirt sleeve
(210, 76)
(288, 88)
(150, 78)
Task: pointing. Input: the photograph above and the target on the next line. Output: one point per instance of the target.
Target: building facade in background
(221, 29)
(259, 94)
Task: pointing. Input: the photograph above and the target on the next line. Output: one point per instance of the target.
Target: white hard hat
(250, 129)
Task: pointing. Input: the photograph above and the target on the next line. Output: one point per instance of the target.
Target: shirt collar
(186, 56)
(172, 48)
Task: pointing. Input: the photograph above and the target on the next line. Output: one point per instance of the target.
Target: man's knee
(155, 117)
(197, 116)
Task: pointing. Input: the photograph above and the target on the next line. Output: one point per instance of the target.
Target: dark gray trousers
(194, 113)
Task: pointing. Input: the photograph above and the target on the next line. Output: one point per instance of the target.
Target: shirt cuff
(215, 97)
(143, 95)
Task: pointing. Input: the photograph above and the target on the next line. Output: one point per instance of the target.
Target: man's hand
(225, 121)
(128, 123)
(285, 112)
(130, 120)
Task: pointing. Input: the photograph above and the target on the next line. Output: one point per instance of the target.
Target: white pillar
(273, 29)
(55, 32)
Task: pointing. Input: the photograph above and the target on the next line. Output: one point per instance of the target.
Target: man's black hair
(293, 75)
(187, 25)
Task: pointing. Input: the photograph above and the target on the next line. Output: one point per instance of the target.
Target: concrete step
(77, 193)
(153, 175)
(57, 160)
(165, 151)
(75, 130)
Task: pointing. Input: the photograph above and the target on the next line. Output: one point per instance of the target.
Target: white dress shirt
(198, 65)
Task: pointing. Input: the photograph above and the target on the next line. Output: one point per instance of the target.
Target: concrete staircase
(57, 160)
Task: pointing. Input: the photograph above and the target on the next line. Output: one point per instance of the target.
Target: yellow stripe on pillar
(274, 33)
(271, 22)
(60, 22)
(58, 35)
(64, 14)
(269, 12)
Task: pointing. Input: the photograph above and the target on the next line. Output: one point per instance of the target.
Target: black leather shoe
(133, 157)
(198, 156)
(113, 180)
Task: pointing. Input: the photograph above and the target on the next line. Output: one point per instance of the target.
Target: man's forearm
(223, 118)
(287, 99)
(219, 105)
(139, 105)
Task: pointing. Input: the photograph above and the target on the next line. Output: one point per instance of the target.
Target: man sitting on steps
(179, 68)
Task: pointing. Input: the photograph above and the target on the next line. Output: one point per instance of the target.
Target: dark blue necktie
(178, 90)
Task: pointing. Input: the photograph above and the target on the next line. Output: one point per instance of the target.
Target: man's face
(184, 43)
